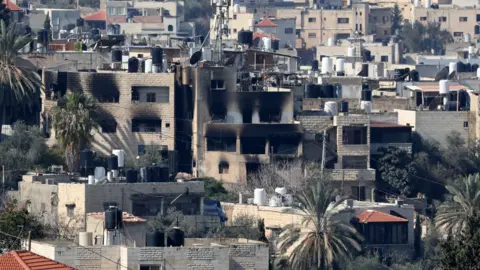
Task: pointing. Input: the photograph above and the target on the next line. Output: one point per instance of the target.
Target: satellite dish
(196, 56)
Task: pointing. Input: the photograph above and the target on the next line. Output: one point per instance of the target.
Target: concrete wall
(40, 200)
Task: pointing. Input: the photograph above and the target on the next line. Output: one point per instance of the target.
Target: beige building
(198, 253)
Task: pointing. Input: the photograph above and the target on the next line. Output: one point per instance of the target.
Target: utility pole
(324, 147)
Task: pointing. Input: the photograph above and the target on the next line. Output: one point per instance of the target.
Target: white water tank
(85, 239)
(416, 3)
(267, 43)
(236, 8)
(452, 66)
(471, 50)
(478, 73)
(251, 23)
(366, 106)
(110, 176)
(206, 54)
(274, 202)
(340, 64)
(281, 190)
(148, 66)
(331, 42)
(428, 3)
(351, 52)
(327, 65)
(120, 153)
(288, 199)
(91, 179)
(259, 196)
(115, 173)
(443, 85)
(331, 108)
(164, 64)
(468, 38)
(99, 173)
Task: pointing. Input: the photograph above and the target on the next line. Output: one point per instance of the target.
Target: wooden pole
(29, 240)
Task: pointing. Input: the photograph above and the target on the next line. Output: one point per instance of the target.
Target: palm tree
(322, 240)
(19, 86)
(74, 120)
(452, 215)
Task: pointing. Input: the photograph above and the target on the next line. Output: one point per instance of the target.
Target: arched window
(170, 28)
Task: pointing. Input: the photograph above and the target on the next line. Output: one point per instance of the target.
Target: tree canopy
(425, 38)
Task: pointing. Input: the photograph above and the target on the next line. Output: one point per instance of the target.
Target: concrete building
(197, 253)
(60, 19)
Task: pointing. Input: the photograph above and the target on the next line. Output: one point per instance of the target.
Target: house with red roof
(16, 12)
(96, 20)
(26, 260)
(282, 30)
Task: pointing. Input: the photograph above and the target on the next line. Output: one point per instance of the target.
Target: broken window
(146, 125)
(223, 167)
(270, 115)
(254, 146)
(222, 144)
(284, 145)
(217, 85)
(354, 135)
(70, 210)
(355, 162)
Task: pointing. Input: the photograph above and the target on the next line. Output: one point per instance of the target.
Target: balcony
(374, 147)
(352, 174)
(354, 149)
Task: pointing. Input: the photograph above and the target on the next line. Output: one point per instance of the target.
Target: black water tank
(276, 45)
(113, 162)
(157, 174)
(116, 56)
(80, 22)
(328, 91)
(95, 32)
(474, 67)
(28, 30)
(86, 159)
(315, 65)
(113, 218)
(157, 55)
(311, 91)
(367, 55)
(460, 67)
(164, 174)
(155, 239)
(149, 174)
(175, 237)
(132, 65)
(343, 106)
(414, 76)
(366, 95)
(132, 176)
(245, 37)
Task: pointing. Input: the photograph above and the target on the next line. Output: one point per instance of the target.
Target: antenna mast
(221, 26)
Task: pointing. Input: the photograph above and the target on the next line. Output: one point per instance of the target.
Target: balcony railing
(352, 174)
(374, 147)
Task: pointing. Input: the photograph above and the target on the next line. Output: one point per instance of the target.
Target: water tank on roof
(343, 106)
(132, 176)
(236, 8)
(328, 91)
(427, 3)
(157, 56)
(259, 196)
(315, 65)
(110, 29)
(366, 106)
(113, 218)
(155, 238)
(444, 88)
(331, 108)
(327, 65)
(148, 66)
(312, 91)
(149, 175)
(120, 153)
(340, 64)
(414, 76)
(366, 95)
(275, 45)
(468, 38)
(267, 43)
(86, 159)
(452, 66)
(351, 52)
(175, 237)
(112, 162)
(474, 67)
(245, 37)
(331, 42)
(164, 174)
(116, 56)
(80, 22)
(117, 29)
(132, 65)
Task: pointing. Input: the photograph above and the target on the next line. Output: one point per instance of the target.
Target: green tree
(459, 253)
(19, 87)
(425, 38)
(48, 27)
(152, 154)
(397, 19)
(74, 121)
(214, 190)
(15, 225)
(321, 241)
(21, 151)
(396, 169)
(453, 216)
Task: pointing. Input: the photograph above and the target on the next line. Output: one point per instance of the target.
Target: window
(478, 17)
(222, 144)
(463, 19)
(361, 27)
(223, 167)
(343, 20)
(289, 30)
(385, 32)
(358, 193)
(70, 210)
(465, 124)
(149, 267)
(312, 35)
(234, 30)
(217, 85)
(312, 20)
(384, 58)
(108, 126)
(142, 149)
(442, 19)
(170, 28)
(146, 125)
(458, 34)
(477, 29)
(423, 18)
(234, 16)
(360, 13)
(151, 97)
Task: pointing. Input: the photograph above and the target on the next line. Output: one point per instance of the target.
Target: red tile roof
(266, 22)
(377, 124)
(12, 6)
(262, 35)
(376, 216)
(26, 260)
(126, 217)
(97, 16)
